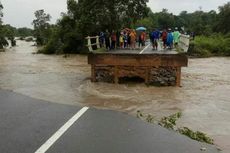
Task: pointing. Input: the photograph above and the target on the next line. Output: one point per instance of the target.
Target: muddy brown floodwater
(203, 98)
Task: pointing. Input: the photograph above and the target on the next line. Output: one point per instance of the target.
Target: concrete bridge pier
(154, 69)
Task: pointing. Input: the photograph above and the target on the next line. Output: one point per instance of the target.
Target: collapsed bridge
(160, 68)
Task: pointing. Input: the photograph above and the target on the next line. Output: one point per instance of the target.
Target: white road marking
(61, 131)
(145, 49)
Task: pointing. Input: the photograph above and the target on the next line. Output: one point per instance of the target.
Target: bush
(214, 45)
(198, 136)
(73, 43)
(54, 46)
(60, 42)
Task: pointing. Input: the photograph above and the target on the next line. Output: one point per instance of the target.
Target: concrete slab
(148, 49)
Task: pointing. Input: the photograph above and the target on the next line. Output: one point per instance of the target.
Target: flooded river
(203, 98)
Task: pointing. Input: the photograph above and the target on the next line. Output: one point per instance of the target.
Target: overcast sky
(20, 13)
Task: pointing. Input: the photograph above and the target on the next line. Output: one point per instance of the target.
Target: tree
(165, 19)
(9, 33)
(93, 16)
(199, 22)
(41, 27)
(1, 14)
(150, 22)
(24, 32)
(89, 17)
(223, 19)
(132, 11)
(3, 41)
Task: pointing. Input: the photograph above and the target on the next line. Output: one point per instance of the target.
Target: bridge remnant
(89, 42)
(155, 69)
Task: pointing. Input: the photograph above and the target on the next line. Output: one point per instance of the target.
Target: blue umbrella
(141, 29)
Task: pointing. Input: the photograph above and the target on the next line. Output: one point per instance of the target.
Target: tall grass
(214, 45)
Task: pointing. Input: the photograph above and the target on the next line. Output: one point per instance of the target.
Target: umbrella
(141, 29)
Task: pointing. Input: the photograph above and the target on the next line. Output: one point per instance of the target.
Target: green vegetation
(223, 19)
(213, 45)
(24, 32)
(198, 136)
(200, 22)
(89, 17)
(212, 29)
(3, 41)
(9, 32)
(42, 28)
(170, 123)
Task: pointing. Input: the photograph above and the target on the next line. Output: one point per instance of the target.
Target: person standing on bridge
(144, 38)
(129, 39)
(125, 39)
(141, 39)
(121, 40)
(158, 35)
(170, 39)
(118, 38)
(133, 36)
(107, 40)
(176, 37)
(154, 38)
(114, 39)
(164, 38)
(102, 39)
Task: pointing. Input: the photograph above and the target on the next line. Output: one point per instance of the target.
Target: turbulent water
(203, 98)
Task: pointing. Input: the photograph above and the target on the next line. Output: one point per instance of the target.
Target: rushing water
(203, 97)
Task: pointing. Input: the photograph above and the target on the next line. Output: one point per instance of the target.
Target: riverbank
(210, 46)
(203, 98)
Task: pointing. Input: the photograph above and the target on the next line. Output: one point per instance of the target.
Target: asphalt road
(26, 125)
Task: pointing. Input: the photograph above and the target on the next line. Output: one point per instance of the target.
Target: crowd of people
(130, 38)
(124, 39)
(169, 38)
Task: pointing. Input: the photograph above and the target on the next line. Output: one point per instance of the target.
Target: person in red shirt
(142, 38)
(114, 40)
(164, 38)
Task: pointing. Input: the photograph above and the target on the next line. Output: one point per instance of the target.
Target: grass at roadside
(170, 123)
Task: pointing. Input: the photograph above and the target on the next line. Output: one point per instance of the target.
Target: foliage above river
(9, 32)
(89, 17)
